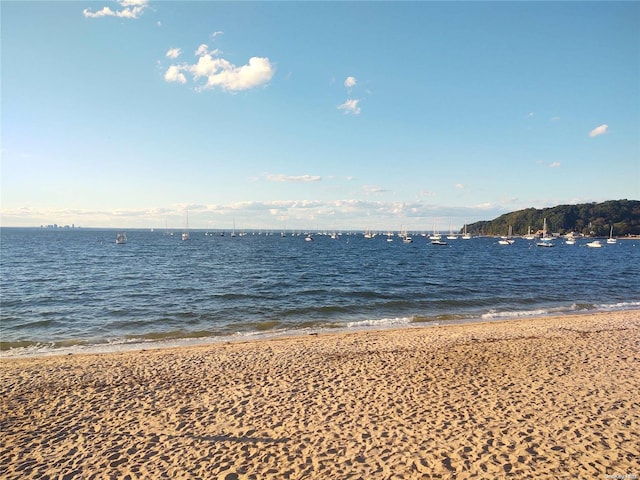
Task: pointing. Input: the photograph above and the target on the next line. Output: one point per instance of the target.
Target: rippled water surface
(77, 287)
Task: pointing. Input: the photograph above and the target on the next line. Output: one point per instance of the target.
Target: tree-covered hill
(593, 219)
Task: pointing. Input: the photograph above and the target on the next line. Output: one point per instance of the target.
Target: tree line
(591, 219)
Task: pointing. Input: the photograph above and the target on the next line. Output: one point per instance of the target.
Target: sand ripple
(545, 398)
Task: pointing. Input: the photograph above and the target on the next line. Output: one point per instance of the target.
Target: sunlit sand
(540, 398)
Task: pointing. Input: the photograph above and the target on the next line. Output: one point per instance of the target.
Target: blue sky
(300, 115)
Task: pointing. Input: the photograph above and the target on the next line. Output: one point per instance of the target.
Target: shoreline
(546, 397)
(79, 347)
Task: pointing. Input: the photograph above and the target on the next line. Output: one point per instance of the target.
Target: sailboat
(451, 236)
(529, 235)
(611, 240)
(404, 235)
(185, 234)
(507, 240)
(465, 235)
(545, 241)
(435, 235)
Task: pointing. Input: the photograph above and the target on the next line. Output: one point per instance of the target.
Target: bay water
(68, 290)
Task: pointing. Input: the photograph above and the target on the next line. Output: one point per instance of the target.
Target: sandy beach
(538, 398)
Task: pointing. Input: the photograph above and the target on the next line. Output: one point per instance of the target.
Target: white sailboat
(185, 234)
(508, 240)
(465, 235)
(529, 235)
(435, 235)
(406, 238)
(545, 241)
(451, 236)
(611, 240)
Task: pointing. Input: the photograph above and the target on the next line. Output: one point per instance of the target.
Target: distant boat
(611, 240)
(185, 234)
(406, 238)
(435, 235)
(545, 241)
(167, 232)
(594, 244)
(465, 235)
(121, 238)
(308, 238)
(529, 235)
(451, 236)
(507, 240)
(570, 240)
(438, 242)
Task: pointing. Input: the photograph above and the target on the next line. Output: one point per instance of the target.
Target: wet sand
(537, 398)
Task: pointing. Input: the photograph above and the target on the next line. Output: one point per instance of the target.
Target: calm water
(77, 289)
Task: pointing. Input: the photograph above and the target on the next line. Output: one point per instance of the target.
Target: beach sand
(537, 398)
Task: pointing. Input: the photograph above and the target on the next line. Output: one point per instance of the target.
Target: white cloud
(350, 107)
(202, 50)
(459, 186)
(373, 189)
(599, 130)
(554, 164)
(173, 74)
(215, 34)
(213, 71)
(130, 9)
(350, 82)
(293, 178)
(173, 53)
(344, 213)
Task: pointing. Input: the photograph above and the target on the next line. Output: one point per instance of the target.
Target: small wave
(443, 318)
(494, 314)
(560, 310)
(380, 323)
(619, 306)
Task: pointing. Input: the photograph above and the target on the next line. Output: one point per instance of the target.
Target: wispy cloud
(293, 178)
(211, 71)
(173, 53)
(373, 189)
(554, 164)
(129, 9)
(459, 186)
(350, 107)
(602, 129)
